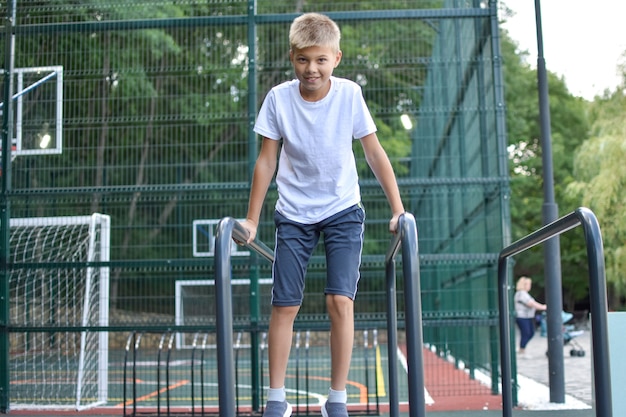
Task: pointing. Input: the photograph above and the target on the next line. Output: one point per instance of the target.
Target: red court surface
(452, 389)
(449, 388)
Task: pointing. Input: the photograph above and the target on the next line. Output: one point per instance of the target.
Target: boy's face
(313, 67)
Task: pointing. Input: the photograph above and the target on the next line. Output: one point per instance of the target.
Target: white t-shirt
(522, 310)
(317, 174)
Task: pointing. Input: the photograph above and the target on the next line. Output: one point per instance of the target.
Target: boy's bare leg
(341, 312)
(280, 335)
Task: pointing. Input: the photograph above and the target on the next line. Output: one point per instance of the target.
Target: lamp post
(551, 248)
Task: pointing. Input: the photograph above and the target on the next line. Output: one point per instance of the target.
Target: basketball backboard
(38, 111)
(204, 239)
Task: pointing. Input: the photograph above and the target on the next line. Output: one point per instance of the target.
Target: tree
(600, 178)
(569, 128)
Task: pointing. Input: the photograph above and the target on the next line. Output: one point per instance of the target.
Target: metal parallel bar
(413, 316)
(406, 237)
(597, 294)
(228, 228)
(241, 235)
(392, 333)
(505, 342)
(237, 348)
(224, 309)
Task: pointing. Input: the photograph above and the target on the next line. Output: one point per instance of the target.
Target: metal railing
(227, 229)
(406, 237)
(597, 294)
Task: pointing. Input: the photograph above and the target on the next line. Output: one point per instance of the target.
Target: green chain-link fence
(143, 111)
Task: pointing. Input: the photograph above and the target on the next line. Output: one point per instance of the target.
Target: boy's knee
(339, 304)
(285, 311)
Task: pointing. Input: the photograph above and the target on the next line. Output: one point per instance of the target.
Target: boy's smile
(313, 67)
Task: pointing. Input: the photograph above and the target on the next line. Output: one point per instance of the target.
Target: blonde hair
(522, 283)
(314, 29)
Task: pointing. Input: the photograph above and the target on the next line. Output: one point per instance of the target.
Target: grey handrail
(406, 237)
(229, 228)
(598, 303)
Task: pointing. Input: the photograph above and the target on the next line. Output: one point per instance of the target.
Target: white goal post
(59, 369)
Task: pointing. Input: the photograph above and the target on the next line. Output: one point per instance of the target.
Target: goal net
(57, 282)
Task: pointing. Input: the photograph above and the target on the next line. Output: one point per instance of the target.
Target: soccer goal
(52, 284)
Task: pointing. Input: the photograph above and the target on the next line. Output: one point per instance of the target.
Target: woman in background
(525, 309)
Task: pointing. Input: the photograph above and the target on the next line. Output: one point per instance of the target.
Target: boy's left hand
(393, 223)
(251, 227)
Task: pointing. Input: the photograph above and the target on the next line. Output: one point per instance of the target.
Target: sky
(583, 40)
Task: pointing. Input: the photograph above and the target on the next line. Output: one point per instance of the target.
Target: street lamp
(551, 248)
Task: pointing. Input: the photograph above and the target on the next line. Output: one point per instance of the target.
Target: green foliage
(600, 178)
(569, 128)
(156, 95)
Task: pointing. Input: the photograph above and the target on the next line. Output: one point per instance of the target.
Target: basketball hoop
(43, 136)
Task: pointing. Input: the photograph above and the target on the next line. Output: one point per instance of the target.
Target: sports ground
(463, 396)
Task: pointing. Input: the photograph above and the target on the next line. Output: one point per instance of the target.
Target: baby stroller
(569, 333)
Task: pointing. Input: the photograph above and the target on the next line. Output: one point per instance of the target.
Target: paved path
(534, 372)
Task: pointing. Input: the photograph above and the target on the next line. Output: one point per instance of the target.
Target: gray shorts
(295, 243)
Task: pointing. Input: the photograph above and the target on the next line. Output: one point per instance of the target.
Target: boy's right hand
(251, 227)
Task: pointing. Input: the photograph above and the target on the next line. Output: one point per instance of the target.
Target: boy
(317, 116)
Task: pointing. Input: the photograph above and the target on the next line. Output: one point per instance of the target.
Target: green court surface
(188, 378)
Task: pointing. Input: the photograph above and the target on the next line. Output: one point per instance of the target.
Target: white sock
(276, 394)
(337, 396)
